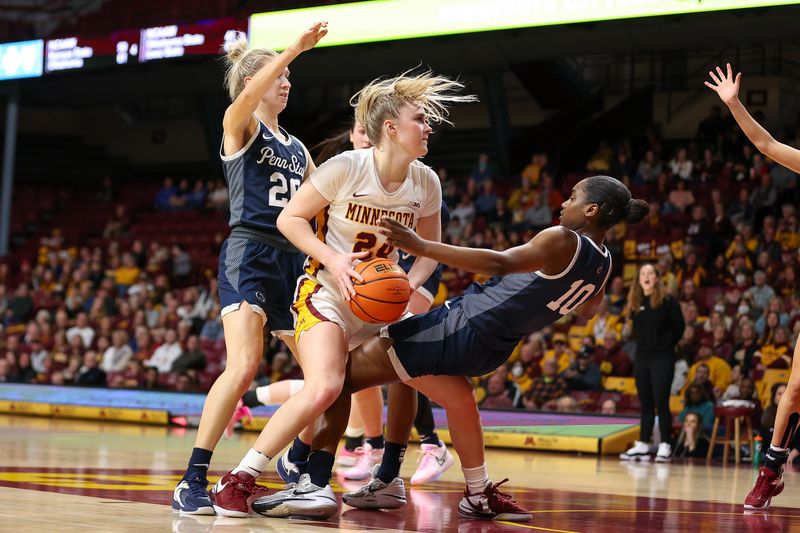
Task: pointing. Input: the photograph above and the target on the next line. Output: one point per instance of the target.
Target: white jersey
(358, 201)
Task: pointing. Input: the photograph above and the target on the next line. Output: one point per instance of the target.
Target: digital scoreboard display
(181, 40)
(138, 46)
(80, 53)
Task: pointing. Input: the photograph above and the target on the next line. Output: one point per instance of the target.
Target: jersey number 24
(575, 296)
(280, 191)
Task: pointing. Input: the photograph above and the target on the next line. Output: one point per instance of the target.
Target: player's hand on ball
(341, 266)
(725, 84)
(401, 236)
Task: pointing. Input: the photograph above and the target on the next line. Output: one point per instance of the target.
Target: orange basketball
(383, 295)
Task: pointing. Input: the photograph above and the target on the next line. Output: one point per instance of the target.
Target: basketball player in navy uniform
(561, 270)
(258, 268)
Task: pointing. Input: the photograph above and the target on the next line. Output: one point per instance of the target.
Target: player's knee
(242, 374)
(323, 394)
(247, 360)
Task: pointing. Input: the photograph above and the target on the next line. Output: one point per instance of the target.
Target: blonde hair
(382, 99)
(241, 61)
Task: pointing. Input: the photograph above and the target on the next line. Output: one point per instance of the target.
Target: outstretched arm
(239, 115)
(538, 254)
(727, 88)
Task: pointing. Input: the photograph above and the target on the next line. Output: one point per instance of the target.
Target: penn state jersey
(358, 201)
(262, 177)
(407, 260)
(504, 310)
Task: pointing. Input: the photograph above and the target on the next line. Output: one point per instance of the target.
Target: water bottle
(757, 451)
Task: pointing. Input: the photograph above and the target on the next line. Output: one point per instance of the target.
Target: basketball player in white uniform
(349, 195)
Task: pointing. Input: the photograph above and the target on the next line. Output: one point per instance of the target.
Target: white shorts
(315, 303)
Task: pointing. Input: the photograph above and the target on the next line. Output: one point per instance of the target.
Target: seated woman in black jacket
(692, 442)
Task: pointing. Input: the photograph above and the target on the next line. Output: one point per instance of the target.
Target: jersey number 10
(575, 296)
(279, 188)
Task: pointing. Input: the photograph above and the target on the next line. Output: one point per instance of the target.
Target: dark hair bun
(636, 210)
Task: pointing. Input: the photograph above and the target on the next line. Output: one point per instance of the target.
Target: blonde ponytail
(241, 62)
(382, 99)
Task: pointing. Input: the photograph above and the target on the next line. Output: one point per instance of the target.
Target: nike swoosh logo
(406, 256)
(444, 457)
(357, 195)
(447, 304)
(482, 507)
(220, 486)
(178, 493)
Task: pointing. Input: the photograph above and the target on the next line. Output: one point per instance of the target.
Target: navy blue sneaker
(288, 471)
(191, 497)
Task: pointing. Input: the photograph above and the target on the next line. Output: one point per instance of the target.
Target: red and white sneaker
(368, 458)
(491, 504)
(768, 485)
(348, 458)
(242, 411)
(231, 494)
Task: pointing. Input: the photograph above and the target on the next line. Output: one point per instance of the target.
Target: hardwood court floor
(65, 476)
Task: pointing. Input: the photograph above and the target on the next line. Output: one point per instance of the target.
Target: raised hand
(725, 85)
(341, 266)
(401, 236)
(309, 38)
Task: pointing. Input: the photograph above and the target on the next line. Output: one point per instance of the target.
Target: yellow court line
(538, 528)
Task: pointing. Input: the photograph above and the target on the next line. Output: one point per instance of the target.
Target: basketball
(383, 295)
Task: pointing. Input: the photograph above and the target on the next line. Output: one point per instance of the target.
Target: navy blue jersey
(407, 260)
(504, 310)
(262, 177)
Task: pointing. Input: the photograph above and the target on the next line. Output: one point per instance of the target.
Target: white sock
(477, 478)
(262, 393)
(353, 432)
(254, 462)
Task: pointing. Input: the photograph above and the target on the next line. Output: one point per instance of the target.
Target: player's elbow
(283, 223)
(766, 146)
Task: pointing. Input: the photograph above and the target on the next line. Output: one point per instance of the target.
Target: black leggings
(653, 382)
(424, 420)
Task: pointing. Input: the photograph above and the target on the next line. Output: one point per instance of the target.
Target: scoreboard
(138, 46)
(80, 53)
(180, 40)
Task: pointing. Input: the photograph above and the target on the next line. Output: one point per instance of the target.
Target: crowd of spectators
(135, 316)
(723, 233)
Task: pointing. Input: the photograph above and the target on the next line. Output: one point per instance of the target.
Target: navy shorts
(441, 343)
(263, 276)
